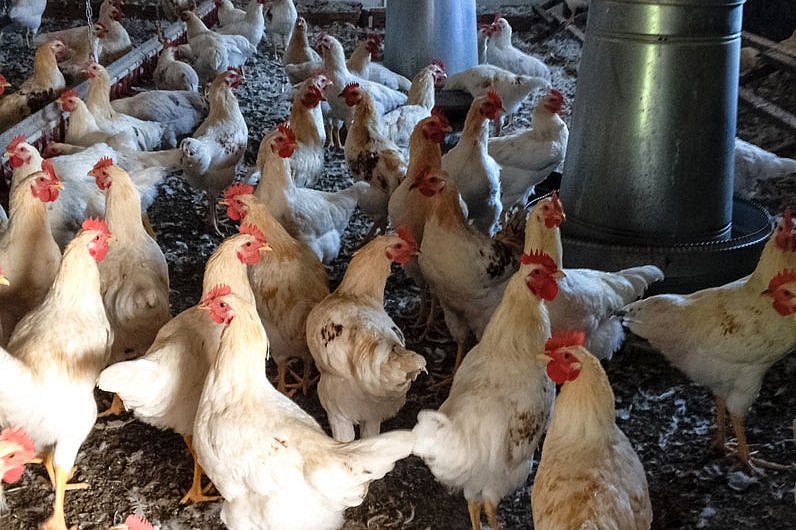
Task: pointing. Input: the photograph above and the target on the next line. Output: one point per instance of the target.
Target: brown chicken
(28, 249)
(589, 475)
(371, 156)
(44, 86)
(54, 357)
(366, 369)
(287, 283)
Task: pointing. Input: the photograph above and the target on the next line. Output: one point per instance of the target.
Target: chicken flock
(84, 285)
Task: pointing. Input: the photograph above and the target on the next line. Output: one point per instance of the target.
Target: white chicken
(513, 89)
(251, 26)
(162, 388)
(589, 476)
(227, 12)
(362, 62)
(270, 460)
(306, 120)
(173, 74)
(475, 172)
(211, 156)
(527, 157)
(398, 124)
(588, 300)
(53, 359)
(280, 17)
(298, 50)
(754, 164)
(178, 111)
(334, 67)
(727, 337)
(213, 53)
(316, 217)
(503, 54)
(366, 369)
(483, 437)
(23, 14)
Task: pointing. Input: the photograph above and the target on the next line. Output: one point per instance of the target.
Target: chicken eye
(222, 304)
(248, 243)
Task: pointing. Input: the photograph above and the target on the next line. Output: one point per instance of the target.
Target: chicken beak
(223, 202)
(266, 248)
(57, 186)
(559, 274)
(543, 358)
(767, 292)
(4, 280)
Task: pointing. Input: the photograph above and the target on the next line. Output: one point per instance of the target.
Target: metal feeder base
(688, 267)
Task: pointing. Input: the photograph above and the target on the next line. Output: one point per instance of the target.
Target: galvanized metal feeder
(648, 175)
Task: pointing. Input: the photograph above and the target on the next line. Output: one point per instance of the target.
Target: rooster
(483, 437)
(211, 156)
(588, 300)
(27, 247)
(397, 125)
(366, 369)
(526, 158)
(54, 357)
(280, 17)
(16, 450)
(290, 474)
(727, 337)
(513, 89)
(316, 217)
(585, 455)
(135, 276)
(475, 172)
(466, 269)
(43, 87)
(503, 54)
(372, 157)
(306, 120)
(162, 388)
(287, 283)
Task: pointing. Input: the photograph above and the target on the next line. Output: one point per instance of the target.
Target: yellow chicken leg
(474, 508)
(491, 515)
(720, 439)
(196, 494)
(116, 408)
(57, 520)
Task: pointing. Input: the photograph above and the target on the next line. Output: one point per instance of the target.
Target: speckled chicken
(270, 460)
(589, 475)
(287, 283)
(372, 157)
(727, 337)
(162, 388)
(366, 369)
(482, 439)
(211, 155)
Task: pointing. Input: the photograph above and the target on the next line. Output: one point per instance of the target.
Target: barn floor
(133, 468)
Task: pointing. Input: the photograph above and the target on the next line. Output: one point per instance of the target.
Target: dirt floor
(134, 468)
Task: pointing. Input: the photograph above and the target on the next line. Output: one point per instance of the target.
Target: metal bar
(554, 18)
(772, 51)
(766, 108)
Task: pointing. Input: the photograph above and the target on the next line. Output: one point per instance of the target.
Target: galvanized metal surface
(650, 156)
(420, 31)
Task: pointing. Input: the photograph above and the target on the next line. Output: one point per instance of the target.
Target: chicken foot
(304, 381)
(116, 408)
(57, 520)
(474, 509)
(196, 494)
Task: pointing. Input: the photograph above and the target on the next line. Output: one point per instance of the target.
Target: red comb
(494, 98)
(15, 141)
(439, 63)
(438, 113)
(556, 201)
(539, 257)
(405, 234)
(71, 93)
(557, 94)
(92, 223)
(565, 339)
(137, 522)
(19, 437)
(781, 278)
(287, 131)
(350, 85)
(103, 162)
(217, 292)
(252, 230)
(238, 189)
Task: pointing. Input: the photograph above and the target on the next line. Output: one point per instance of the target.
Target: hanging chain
(92, 37)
